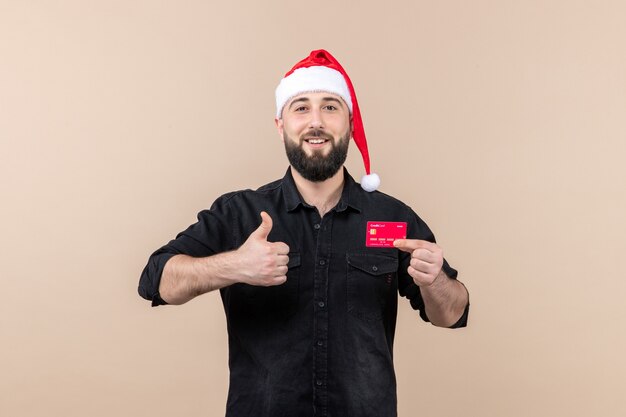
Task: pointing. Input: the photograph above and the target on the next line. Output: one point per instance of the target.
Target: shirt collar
(350, 195)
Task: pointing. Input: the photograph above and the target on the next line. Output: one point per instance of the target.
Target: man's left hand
(426, 259)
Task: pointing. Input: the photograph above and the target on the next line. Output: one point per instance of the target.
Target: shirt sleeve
(212, 233)
(418, 229)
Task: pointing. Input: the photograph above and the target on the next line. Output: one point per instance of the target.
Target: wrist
(225, 268)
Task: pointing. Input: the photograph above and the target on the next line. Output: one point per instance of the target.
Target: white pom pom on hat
(370, 182)
(320, 71)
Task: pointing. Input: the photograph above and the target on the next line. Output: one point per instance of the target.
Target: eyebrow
(306, 100)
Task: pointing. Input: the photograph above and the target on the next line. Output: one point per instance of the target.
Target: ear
(279, 126)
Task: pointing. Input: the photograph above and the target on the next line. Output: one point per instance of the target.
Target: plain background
(501, 123)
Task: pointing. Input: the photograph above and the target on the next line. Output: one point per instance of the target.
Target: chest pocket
(370, 279)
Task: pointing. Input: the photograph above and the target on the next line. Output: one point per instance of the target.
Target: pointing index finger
(409, 245)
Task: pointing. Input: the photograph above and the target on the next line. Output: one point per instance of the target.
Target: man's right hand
(256, 262)
(263, 263)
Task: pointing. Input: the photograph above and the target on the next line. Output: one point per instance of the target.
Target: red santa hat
(319, 72)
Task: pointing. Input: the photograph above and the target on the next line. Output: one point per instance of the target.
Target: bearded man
(311, 293)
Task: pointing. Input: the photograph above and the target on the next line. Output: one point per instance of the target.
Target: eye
(301, 108)
(330, 107)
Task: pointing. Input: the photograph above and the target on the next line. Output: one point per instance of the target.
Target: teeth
(316, 141)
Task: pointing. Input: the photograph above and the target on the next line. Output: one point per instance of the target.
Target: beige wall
(501, 123)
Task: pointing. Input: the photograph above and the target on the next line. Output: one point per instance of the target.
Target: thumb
(265, 228)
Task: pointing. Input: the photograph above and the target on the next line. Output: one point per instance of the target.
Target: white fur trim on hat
(311, 79)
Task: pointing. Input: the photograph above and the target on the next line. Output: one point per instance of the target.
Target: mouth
(316, 141)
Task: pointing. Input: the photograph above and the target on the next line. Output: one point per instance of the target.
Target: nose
(316, 119)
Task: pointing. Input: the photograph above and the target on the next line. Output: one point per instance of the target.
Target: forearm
(185, 277)
(445, 300)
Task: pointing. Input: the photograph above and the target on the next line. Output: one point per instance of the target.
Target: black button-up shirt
(321, 344)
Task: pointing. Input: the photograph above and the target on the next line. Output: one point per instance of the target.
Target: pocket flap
(373, 264)
(294, 260)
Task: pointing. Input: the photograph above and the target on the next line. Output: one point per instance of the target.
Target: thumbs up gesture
(261, 262)
(426, 259)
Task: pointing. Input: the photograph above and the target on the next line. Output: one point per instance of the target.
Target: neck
(323, 195)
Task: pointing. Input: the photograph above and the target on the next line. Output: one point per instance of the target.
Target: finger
(404, 245)
(419, 276)
(264, 228)
(409, 245)
(422, 266)
(280, 248)
(279, 280)
(425, 255)
(281, 270)
(282, 260)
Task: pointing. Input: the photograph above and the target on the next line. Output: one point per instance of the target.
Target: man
(310, 293)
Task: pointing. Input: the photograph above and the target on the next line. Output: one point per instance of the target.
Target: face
(316, 130)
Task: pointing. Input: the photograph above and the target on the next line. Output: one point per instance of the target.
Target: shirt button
(322, 262)
(321, 304)
(318, 382)
(316, 226)
(320, 343)
(374, 268)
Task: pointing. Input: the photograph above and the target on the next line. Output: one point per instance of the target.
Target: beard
(317, 167)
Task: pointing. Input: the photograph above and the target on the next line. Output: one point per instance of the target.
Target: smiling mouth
(316, 141)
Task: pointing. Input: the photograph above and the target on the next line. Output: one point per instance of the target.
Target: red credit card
(382, 234)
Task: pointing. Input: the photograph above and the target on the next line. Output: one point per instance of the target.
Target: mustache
(316, 134)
